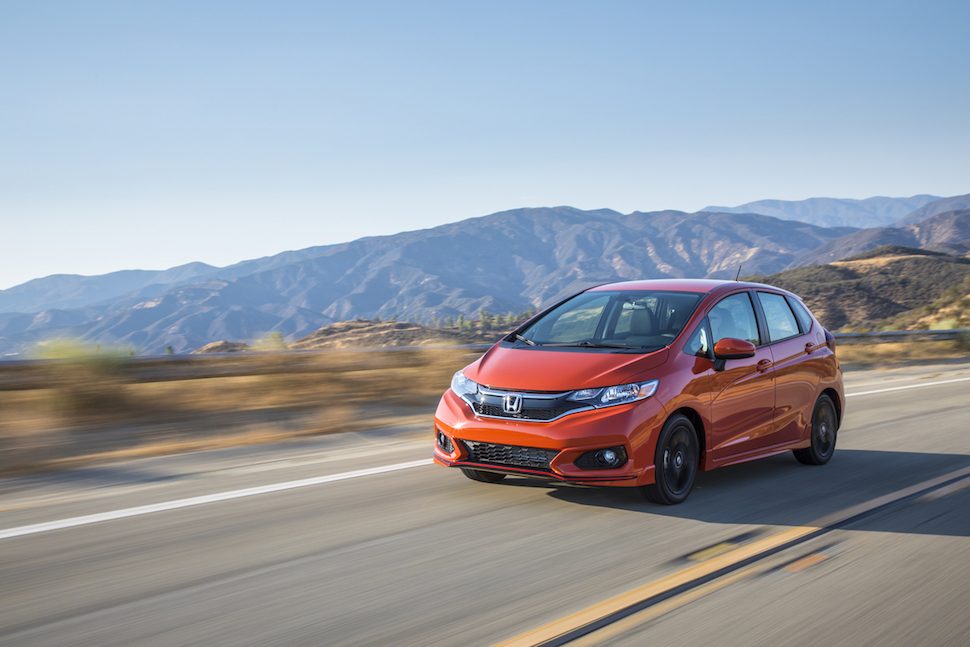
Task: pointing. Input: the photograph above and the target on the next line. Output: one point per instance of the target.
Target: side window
(699, 345)
(733, 316)
(781, 322)
(580, 323)
(801, 313)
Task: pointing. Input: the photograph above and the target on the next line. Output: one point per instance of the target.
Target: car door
(796, 381)
(743, 394)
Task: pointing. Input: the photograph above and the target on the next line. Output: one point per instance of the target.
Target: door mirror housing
(731, 348)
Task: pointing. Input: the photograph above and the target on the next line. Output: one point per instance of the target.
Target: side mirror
(730, 348)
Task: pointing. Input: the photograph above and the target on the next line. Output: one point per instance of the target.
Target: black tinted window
(801, 313)
(733, 317)
(781, 322)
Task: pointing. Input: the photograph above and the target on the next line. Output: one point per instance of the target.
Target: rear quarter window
(802, 314)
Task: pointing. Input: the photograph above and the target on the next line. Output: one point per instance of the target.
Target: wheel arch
(836, 401)
(695, 418)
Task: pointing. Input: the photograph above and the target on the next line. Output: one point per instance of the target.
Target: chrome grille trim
(525, 395)
(532, 395)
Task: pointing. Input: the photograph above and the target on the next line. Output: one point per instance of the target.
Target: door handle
(764, 364)
(809, 347)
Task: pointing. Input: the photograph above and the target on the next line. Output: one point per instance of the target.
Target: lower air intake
(530, 457)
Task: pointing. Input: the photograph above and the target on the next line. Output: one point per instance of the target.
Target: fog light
(444, 442)
(602, 459)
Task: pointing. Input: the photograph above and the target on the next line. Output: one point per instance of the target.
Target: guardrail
(901, 335)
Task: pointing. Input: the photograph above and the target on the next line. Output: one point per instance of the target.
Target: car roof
(701, 286)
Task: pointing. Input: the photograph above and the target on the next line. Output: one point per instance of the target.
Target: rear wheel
(825, 425)
(676, 462)
(482, 476)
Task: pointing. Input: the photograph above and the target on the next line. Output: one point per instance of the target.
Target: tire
(825, 427)
(677, 461)
(482, 476)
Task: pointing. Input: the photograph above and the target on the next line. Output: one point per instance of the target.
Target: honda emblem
(512, 403)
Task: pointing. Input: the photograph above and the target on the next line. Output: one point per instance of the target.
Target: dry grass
(66, 413)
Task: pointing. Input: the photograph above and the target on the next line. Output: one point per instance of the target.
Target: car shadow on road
(780, 491)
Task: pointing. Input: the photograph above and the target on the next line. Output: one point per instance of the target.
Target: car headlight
(462, 386)
(612, 395)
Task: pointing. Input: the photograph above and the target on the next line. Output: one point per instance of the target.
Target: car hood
(550, 370)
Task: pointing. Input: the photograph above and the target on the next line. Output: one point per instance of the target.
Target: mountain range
(877, 211)
(504, 262)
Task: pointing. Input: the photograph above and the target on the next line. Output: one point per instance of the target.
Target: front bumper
(634, 426)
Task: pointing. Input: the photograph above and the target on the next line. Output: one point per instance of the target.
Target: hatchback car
(643, 384)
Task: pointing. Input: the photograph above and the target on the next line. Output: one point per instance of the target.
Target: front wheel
(825, 425)
(676, 462)
(482, 476)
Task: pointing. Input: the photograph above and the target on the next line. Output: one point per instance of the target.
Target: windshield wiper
(525, 340)
(590, 344)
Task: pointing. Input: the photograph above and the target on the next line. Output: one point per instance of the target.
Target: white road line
(908, 386)
(72, 522)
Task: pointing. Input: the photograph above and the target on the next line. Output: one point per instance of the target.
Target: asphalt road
(419, 555)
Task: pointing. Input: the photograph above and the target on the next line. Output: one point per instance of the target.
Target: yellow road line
(803, 563)
(711, 551)
(631, 622)
(601, 610)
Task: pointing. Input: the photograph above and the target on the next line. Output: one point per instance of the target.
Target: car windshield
(631, 320)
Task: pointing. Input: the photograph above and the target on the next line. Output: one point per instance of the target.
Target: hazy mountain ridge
(947, 232)
(509, 261)
(62, 291)
(943, 205)
(504, 262)
(878, 211)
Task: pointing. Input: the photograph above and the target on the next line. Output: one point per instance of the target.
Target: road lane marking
(176, 504)
(621, 627)
(721, 547)
(908, 386)
(673, 587)
(807, 561)
(946, 491)
(123, 513)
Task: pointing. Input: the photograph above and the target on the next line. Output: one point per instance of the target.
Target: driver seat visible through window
(643, 323)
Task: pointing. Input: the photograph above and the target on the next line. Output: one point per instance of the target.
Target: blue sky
(148, 134)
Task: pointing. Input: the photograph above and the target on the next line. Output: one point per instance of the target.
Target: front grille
(537, 407)
(497, 411)
(531, 457)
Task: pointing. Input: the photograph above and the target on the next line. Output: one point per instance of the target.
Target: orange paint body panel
(742, 408)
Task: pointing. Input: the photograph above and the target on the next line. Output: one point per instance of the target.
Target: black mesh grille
(531, 457)
(526, 413)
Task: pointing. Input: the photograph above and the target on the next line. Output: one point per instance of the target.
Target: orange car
(642, 384)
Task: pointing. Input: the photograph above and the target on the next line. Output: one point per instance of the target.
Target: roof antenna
(738, 275)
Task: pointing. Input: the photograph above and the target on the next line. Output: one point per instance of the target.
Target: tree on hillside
(484, 320)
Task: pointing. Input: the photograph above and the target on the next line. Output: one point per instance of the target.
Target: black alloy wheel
(676, 462)
(825, 427)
